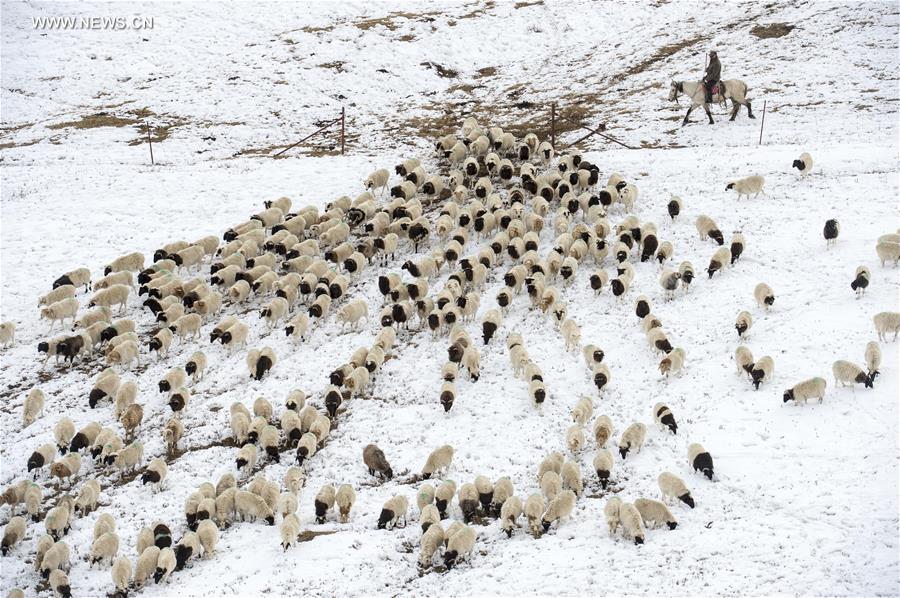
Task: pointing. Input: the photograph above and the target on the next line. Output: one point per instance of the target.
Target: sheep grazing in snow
(847, 373)
(672, 363)
(612, 511)
(672, 486)
(560, 507)
(394, 509)
(886, 322)
(656, 512)
(743, 323)
(804, 163)
(708, 229)
(431, 541)
(747, 186)
(762, 371)
(121, 575)
(632, 439)
(663, 416)
(831, 231)
(700, 460)
(76, 278)
(60, 311)
(888, 248)
(438, 462)
(33, 407)
(674, 207)
(116, 294)
(376, 462)
(860, 281)
(7, 334)
(764, 295)
(720, 259)
(873, 358)
(813, 388)
(459, 545)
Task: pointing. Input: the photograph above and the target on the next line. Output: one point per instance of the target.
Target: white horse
(735, 89)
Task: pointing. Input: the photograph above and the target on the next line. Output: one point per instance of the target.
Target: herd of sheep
(480, 221)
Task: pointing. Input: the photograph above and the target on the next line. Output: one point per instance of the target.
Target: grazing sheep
(700, 460)
(632, 522)
(431, 540)
(146, 565)
(603, 430)
(560, 507)
(132, 262)
(668, 280)
(86, 501)
(251, 506)
(674, 207)
(121, 575)
(344, 498)
(885, 322)
(44, 455)
(59, 583)
(672, 486)
(583, 410)
(571, 477)
(804, 163)
(165, 564)
(131, 419)
(353, 312)
(155, 473)
(208, 534)
(490, 324)
(460, 544)
(603, 465)
(600, 375)
(485, 492)
(571, 333)
(534, 511)
(394, 509)
(76, 278)
(57, 521)
(847, 373)
(888, 249)
(246, 458)
(656, 512)
(708, 229)
(743, 360)
(443, 496)
(105, 548)
(746, 186)
(161, 342)
(575, 439)
(612, 511)
(743, 323)
(632, 438)
(178, 401)
(873, 358)
(59, 311)
(764, 295)
(860, 281)
(375, 461)
(55, 557)
(438, 462)
(720, 259)
(290, 531)
(128, 457)
(762, 371)
(7, 334)
(663, 416)
(12, 534)
(831, 231)
(306, 447)
(673, 362)
(813, 388)
(67, 467)
(468, 497)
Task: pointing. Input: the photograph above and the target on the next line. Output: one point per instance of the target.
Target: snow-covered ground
(805, 499)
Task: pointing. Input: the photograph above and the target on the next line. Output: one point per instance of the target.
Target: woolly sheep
(672, 486)
(575, 439)
(762, 370)
(831, 231)
(246, 458)
(743, 323)
(129, 457)
(485, 490)
(394, 509)
(632, 439)
(33, 407)
(86, 501)
(430, 542)
(57, 294)
(375, 461)
(44, 455)
(155, 473)
(700, 460)
(804, 163)
(888, 249)
(603, 465)
(571, 477)
(259, 362)
(664, 418)
(764, 295)
(847, 373)
(708, 229)
(534, 511)
(59, 311)
(165, 564)
(468, 501)
(612, 511)
(861, 281)
(116, 294)
(7, 334)
(76, 278)
(13, 533)
(632, 522)
(67, 467)
(132, 262)
(105, 548)
(59, 582)
(208, 534)
(673, 362)
(460, 544)
(55, 558)
(886, 322)
(720, 259)
(656, 512)
(603, 430)
(438, 462)
(250, 506)
(583, 411)
(443, 496)
(121, 575)
(747, 185)
(873, 358)
(57, 521)
(600, 375)
(560, 507)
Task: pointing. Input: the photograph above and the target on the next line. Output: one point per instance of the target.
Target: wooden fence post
(553, 125)
(150, 141)
(762, 123)
(343, 118)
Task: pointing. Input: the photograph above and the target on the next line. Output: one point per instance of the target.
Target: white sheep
(132, 262)
(631, 522)
(583, 411)
(104, 548)
(575, 439)
(208, 534)
(121, 574)
(377, 180)
(700, 459)
(632, 439)
(873, 358)
(888, 249)
(59, 311)
(438, 462)
(671, 486)
(813, 388)
(612, 511)
(847, 373)
(762, 370)
(708, 229)
(673, 362)
(76, 278)
(743, 323)
(804, 163)
(394, 509)
(459, 545)
(764, 295)
(571, 333)
(146, 565)
(431, 541)
(7, 334)
(886, 322)
(33, 407)
(58, 294)
(655, 512)
(748, 185)
(290, 530)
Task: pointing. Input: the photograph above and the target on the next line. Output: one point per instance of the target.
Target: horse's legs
(749, 109)
(685, 121)
(735, 108)
(708, 114)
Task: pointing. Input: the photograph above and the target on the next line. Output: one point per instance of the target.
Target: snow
(805, 498)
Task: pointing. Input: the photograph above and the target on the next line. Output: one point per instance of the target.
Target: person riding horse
(713, 75)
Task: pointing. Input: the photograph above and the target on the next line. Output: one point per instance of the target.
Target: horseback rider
(713, 74)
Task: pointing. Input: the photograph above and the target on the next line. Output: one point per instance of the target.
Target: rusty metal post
(343, 119)
(762, 123)
(150, 141)
(553, 125)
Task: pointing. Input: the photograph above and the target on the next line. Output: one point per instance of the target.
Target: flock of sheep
(480, 221)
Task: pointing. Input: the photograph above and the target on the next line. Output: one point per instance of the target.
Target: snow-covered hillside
(805, 498)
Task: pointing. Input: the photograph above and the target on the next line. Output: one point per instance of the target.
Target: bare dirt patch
(771, 30)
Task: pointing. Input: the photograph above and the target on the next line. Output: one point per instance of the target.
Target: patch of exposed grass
(95, 121)
(337, 65)
(12, 145)
(518, 5)
(488, 71)
(771, 30)
(442, 71)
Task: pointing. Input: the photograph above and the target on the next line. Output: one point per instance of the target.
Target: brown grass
(771, 30)
(518, 5)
